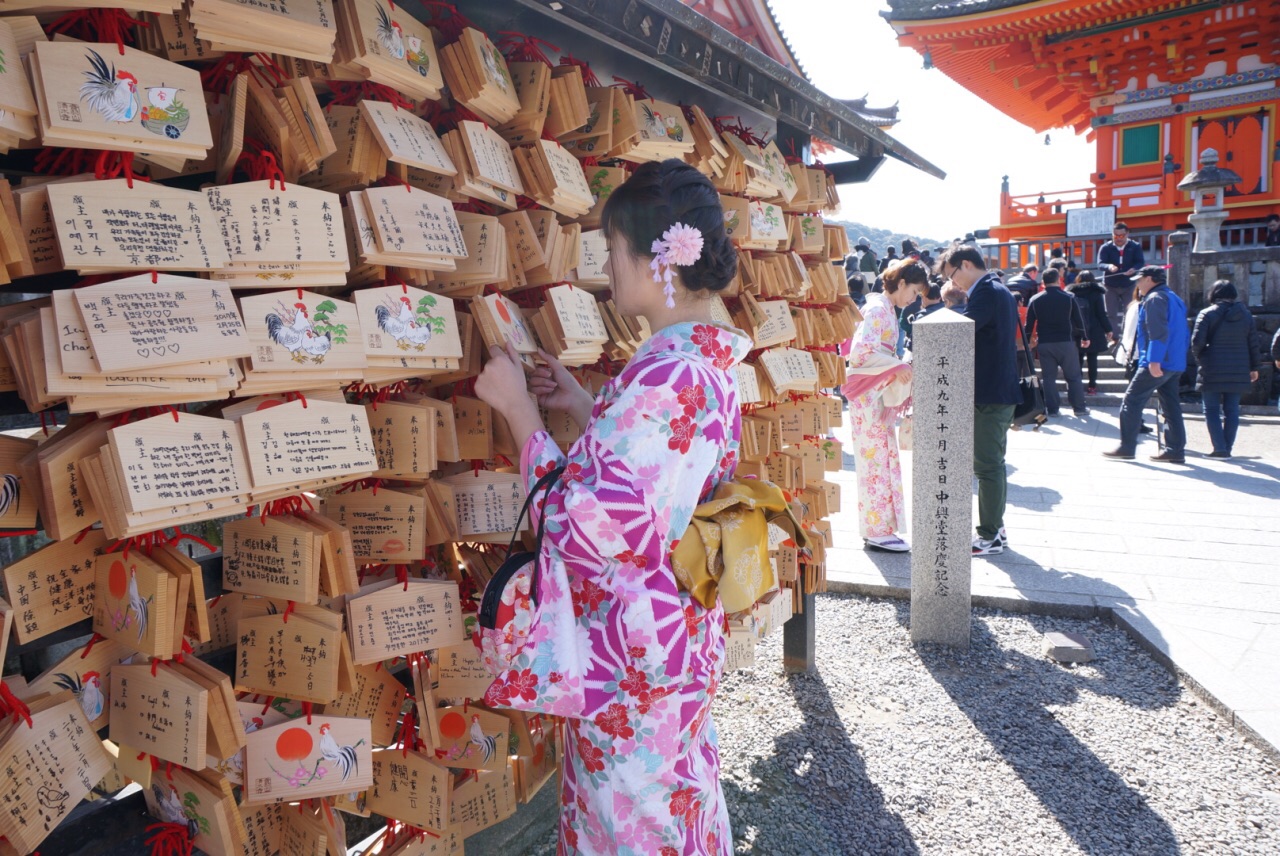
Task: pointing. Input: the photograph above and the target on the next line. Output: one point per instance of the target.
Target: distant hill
(881, 238)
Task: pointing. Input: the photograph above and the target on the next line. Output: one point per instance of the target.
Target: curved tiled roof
(923, 10)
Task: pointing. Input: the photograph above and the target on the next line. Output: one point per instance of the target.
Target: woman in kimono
(627, 657)
(879, 391)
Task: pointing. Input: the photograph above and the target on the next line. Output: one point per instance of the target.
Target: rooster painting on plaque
(296, 760)
(405, 322)
(473, 739)
(302, 330)
(18, 502)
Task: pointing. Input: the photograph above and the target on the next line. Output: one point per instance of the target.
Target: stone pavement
(1187, 558)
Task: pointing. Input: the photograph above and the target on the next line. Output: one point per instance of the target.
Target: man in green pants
(994, 312)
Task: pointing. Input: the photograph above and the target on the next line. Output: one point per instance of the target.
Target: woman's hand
(502, 383)
(502, 386)
(556, 389)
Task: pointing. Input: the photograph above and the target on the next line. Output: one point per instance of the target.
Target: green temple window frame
(1140, 144)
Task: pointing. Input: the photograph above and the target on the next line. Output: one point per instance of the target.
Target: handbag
(507, 586)
(1031, 409)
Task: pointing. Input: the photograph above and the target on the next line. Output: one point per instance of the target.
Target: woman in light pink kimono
(613, 645)
(879, 392)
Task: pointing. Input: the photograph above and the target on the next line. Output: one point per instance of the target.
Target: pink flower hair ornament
(679, 245)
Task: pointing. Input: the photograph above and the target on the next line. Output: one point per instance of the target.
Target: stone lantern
(1209, 179)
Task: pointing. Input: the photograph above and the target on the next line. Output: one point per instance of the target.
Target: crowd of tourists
(1060, 316)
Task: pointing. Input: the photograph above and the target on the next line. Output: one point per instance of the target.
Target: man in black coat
(1119, 259)
(1024, 285)
(994, 312)
(1054, 317)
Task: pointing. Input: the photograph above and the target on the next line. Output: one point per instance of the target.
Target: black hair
(908, 271)
(1272, 218)
(1120, 224)
(959, 253)
(660, 194)
(1086, 277)
(934, 291)
(1223, 290)
(857, 283)
(1050, 276)
(1056, 253)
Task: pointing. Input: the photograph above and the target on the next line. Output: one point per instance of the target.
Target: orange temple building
(1153, 82)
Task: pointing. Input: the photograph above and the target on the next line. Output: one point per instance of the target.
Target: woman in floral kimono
(879, 391)
(632, 661)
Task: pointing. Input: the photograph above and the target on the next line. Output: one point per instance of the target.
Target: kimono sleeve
(877, 327)
(629, 488)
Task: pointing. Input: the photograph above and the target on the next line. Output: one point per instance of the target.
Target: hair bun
(660, 194)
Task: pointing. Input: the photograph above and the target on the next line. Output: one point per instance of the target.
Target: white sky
(849, 51)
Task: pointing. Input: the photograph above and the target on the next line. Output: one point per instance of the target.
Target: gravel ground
(890, 749)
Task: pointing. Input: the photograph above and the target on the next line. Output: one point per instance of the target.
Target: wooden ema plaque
(393, 620)
(19, 499)
(404, 436)
(106, 226)
(446, 842)
(472, 738)
(50, 768)
(301, 442)
(410, 327)
(297, 659)
(391, 46)
(263, 825)
(296, 760)
(134, 603)
(385, 525)
(165, 462)
(484, 801)
(412, 788)
(93, 97)
(137, 324)
(273, 557)
(209, 813)
(378, 696)
(273, 235)
(487, 503)
(87, 675)
(300, 330)
(53, 587)
(462, 672)
(163, 715)
(406, 138)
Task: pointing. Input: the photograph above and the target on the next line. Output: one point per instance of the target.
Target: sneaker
(1218, 453)
(983, 547)
(1145, 429)
(888, 543)
(1003, 537)
(1082, 412)
(1118, 455)
(1091, 390)
(1168, 457)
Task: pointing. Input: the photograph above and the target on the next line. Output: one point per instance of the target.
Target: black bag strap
(1026, 349)
(543, 484)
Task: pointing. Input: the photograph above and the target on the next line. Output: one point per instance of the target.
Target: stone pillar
(1178, 255)
(942, 478)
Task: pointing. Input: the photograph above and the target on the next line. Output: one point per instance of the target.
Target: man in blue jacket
(994, 312)
(1161, 347)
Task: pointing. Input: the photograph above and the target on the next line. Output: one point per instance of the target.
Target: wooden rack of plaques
(288, 260)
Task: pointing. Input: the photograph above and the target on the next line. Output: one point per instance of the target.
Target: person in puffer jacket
(1162, 358)
(1225, 346)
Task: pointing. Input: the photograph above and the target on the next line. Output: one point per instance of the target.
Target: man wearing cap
(1161, 347)
(1119, 259)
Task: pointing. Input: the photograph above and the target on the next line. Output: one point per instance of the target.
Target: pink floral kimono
(875, 444)
(632, 662)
